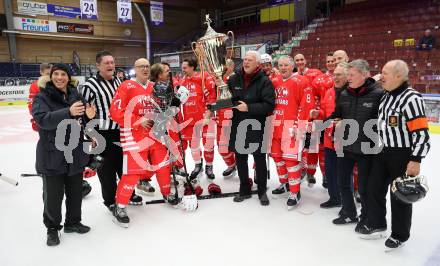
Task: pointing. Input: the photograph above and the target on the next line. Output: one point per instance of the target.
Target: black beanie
(62, 67)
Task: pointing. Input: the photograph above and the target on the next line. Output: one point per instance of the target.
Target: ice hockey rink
(220, 232)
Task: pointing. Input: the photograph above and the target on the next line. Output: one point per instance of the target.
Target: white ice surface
(220, 232)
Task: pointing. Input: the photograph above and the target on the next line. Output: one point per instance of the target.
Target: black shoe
(330, 204)
(135, 200)
(264, 200)
(120, 216)
(86, 188)
(209, 173)
(368, 232)
(343, 219)
(53, 238)
(283, 188)
(229, 172)
(241, 198)
(324, 182)
(362, 222)
(392, 243)
(76, 228)
(197, 171)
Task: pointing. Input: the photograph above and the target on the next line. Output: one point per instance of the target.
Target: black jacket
(430, 40)
(260, 99)
(361, 104)
(50, 107)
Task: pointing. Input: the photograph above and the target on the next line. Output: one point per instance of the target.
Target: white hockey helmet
(265, 58)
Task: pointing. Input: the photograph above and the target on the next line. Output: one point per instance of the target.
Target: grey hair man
(255, 102)
(405, 137)
(357, 104)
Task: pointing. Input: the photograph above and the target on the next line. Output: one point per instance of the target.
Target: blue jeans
(332, 175)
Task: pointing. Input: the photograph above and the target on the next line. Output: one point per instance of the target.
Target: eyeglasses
(143, 66)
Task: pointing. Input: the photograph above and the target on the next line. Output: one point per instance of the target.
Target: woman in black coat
(59, 101)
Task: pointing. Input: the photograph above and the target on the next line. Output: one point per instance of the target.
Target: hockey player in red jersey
(144, 154)
(34, 90)
(198, 117)
(310, 157)
(285, 148)
(223, 120)
(321, 84)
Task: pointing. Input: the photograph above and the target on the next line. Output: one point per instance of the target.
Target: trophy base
(221, 104)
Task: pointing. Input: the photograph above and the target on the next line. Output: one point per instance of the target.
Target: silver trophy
(211, 53)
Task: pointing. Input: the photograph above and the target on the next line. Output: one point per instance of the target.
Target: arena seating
(367, 30)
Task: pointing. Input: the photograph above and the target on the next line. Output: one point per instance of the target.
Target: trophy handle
(231, 35)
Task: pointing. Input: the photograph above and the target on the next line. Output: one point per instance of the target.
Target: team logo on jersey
(281, 92)
(392, 121)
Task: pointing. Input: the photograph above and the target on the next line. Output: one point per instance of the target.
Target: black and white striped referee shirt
(402, 121)
(100, 92)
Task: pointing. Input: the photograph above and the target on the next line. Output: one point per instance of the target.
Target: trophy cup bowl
(211, 53)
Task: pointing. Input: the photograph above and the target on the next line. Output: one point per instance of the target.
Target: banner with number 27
(124, 11)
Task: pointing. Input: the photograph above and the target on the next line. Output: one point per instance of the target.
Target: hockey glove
(87, 173)
(189, 203)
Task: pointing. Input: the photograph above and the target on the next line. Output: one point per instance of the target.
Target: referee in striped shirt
(403, 130)
(99, 91)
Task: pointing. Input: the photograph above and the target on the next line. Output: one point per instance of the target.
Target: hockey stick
(206, 197)
(27, 175)
(9, 180)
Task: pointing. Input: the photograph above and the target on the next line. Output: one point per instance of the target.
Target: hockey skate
(281, 190)
(293, 200)
(230, 172)
(120, 216)
(209, 172)
(198, 170)
(145, 187)
(311, 180)
(135, 200)
(368, 233)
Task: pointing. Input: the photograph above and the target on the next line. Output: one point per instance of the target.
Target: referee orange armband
(418, 123)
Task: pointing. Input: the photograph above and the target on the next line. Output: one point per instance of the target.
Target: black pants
(387, 166)
(112, 167)
(54, 188)
(345, 182)
(243, 172)
(331, 173)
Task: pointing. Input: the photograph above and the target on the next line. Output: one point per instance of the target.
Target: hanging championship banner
(124, 11)
(156, 12)
(89, 9)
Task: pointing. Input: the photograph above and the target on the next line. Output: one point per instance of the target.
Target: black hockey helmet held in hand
(96, 162)
(163, 94)
(410, 189)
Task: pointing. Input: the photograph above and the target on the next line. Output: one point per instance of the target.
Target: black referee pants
(112, 166)
(387, 166)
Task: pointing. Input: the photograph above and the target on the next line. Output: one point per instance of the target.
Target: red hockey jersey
(289, 102)
(129, 105)
(199, 96)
